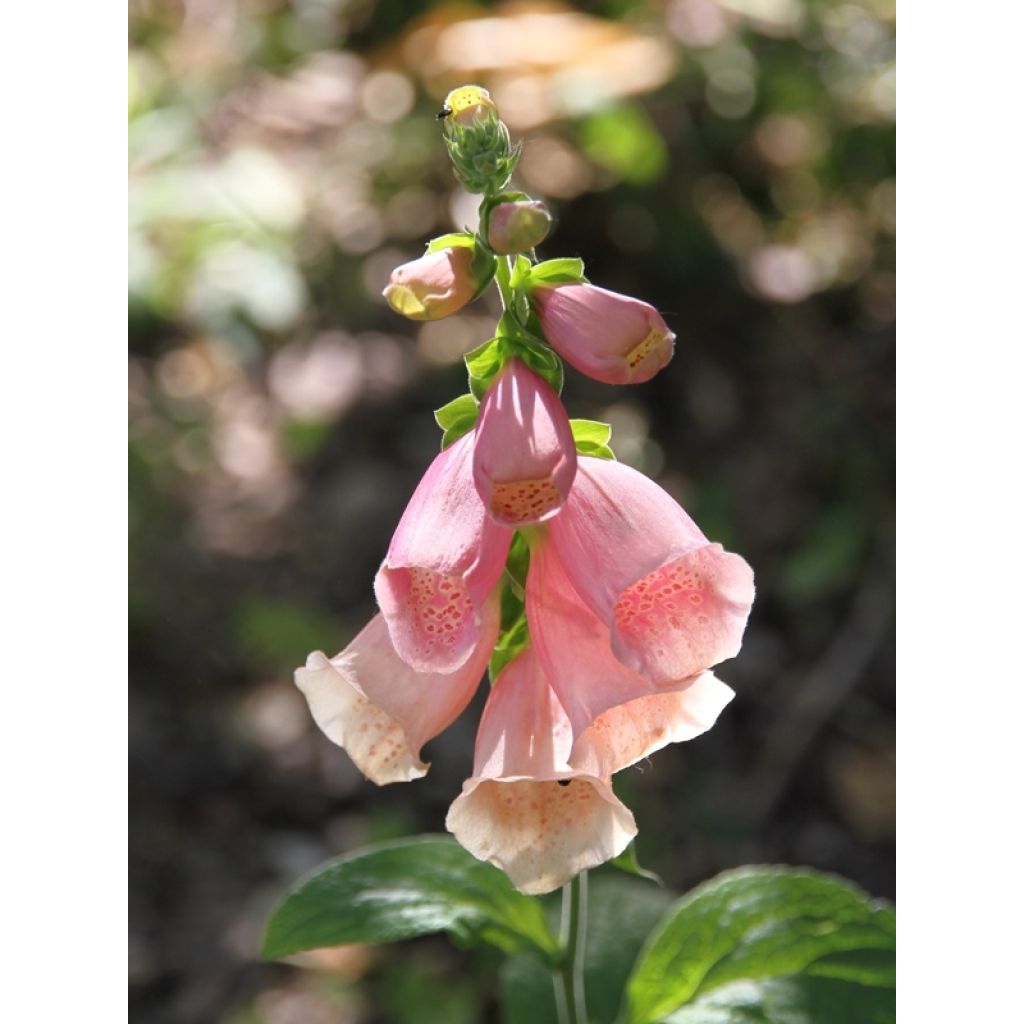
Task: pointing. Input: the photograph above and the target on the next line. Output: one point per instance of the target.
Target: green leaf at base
(402, 889)
(793, 999)
(757, 923)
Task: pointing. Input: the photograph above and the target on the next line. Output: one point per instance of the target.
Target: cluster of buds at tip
(596, 603)
(478, 141)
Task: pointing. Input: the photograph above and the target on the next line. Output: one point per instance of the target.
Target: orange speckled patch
(524, 500)
(669, 599)
(637, 355)
(440, 605)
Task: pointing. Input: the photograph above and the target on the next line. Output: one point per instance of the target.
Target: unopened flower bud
(467, 105)
(483, 156)
(436, 285)
(518, 227)
(610, 337)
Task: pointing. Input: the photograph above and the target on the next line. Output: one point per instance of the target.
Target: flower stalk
(570, 995)
(595, 602)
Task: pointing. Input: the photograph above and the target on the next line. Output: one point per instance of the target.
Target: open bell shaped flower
(674, 603)
(610, 337)
(437, 284)
(445, 559)
(372, 704)
(524, 457)
(574, 646)
(540, 804)
(526, 809)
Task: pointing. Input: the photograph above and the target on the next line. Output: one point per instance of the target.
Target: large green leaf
(402, 889)
(760, 923)
(796, 999)
(622, 912)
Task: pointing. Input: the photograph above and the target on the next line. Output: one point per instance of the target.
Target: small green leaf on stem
(454, 240)
(457, 418)
(627, 861)
(592, 438)
(566, 270)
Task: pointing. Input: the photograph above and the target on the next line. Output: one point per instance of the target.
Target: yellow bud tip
(467, 103)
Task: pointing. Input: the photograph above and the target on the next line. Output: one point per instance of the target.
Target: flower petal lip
(629, 732)
(368, 701)
(434, 286)
(675, 603)
(526, 809)
(524, 458)
(574, 647)
(610, 337)
(443, 564)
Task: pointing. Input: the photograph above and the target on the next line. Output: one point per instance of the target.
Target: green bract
(592, 437)
(457, 418)
(482, 153)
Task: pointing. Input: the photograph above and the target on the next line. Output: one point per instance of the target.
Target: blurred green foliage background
(730, 161)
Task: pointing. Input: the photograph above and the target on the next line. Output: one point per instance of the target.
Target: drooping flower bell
(478, 142)
(524, 456)
(372, 704)
(525, 809)
(674, 603)
(445, 559)
(518, 226)
(610, 337)
(438, 283)
(539, 804)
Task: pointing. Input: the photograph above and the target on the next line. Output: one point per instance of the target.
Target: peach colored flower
(368, 701)
(540, 804)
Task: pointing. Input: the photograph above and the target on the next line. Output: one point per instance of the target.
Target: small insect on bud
(467, 105)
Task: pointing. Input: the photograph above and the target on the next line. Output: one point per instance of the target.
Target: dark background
(732, 163)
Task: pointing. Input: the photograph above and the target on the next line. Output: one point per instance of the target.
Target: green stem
(503, 277)
(569, 993)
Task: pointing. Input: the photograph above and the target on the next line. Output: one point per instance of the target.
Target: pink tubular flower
(524, 458)
(610, 337)
(368, 701)
(540, 805)
(434, 286)
(574, 647)
(517, 810)
(445, 558)
(675, 604)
